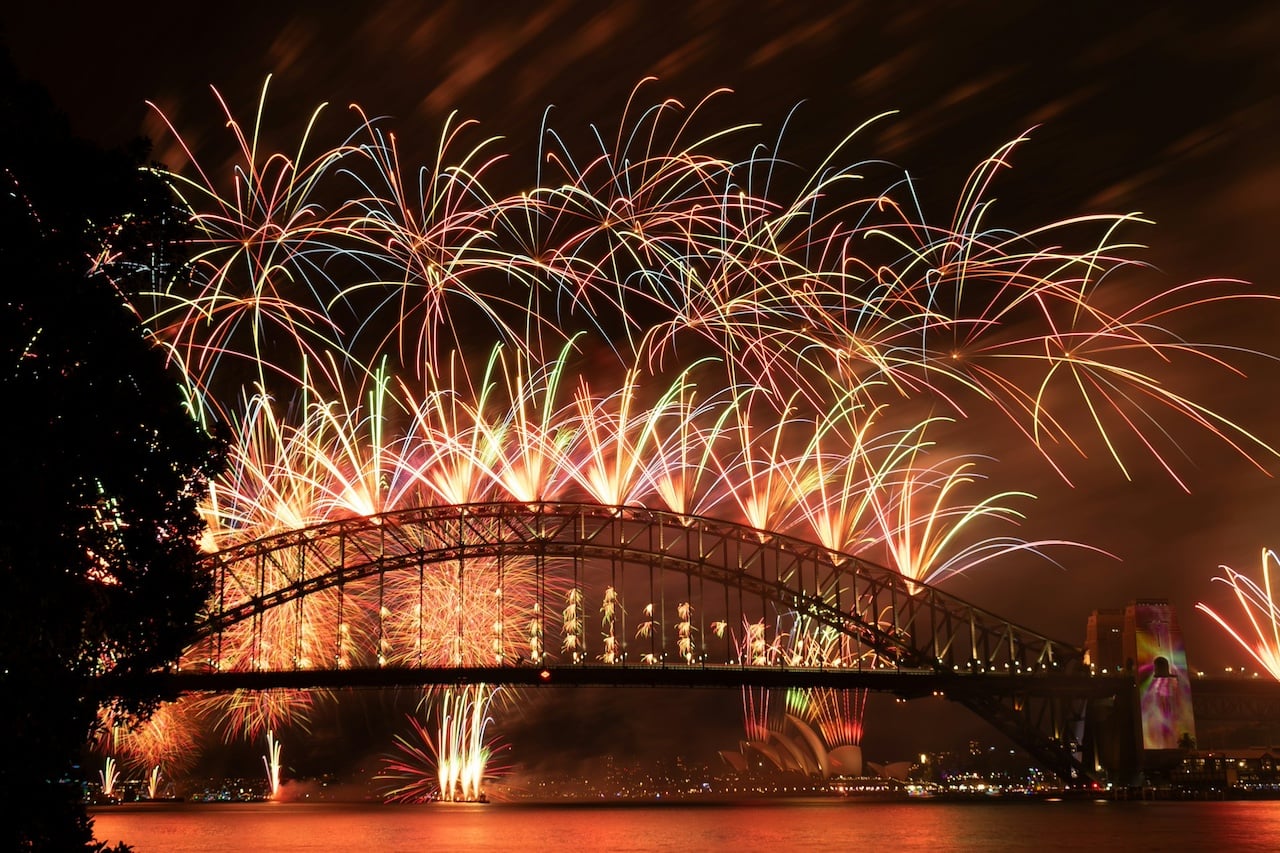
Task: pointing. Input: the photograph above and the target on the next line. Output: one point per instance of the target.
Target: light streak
(449, 762)
(1261, 613)
(153, 783)
(108, 776)
(271, 761)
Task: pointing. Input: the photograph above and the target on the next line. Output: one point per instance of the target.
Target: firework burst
(449, 762)
(1261, 613)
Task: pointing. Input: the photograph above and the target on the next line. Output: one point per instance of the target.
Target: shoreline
(729, 800)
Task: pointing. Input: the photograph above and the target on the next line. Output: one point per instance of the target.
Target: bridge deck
(907, 683)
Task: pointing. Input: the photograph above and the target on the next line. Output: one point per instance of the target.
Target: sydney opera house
(795, 747)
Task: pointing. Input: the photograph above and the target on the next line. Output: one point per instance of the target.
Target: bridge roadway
(904, 682)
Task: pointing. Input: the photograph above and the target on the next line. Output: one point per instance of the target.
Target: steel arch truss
(556, 584)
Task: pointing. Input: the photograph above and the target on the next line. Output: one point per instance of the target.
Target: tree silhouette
(102, 466)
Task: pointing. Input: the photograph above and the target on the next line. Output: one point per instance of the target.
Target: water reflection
(767, 825)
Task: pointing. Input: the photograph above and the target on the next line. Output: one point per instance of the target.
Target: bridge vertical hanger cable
(499, 639)
(618, 652)
(540, 605)
(339, 651)
(687, 632)
(459, 594)
(257, 615)
(576, 630)
(422, 580)
(702, 620)
(222, 606)
(743, 653)
(728, 627)
(300, 612)
(382, 606)
(339, 636)
(649, 617)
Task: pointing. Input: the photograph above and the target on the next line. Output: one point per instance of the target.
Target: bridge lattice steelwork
(570, 593)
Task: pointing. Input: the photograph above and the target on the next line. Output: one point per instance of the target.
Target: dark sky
(1171, 110)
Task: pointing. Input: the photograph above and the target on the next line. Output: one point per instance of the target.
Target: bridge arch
(508, 585)
(891, 620)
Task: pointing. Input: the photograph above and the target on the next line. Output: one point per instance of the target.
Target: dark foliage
(101, 465)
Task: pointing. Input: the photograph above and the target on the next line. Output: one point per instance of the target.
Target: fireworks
(637, 254)
(153, 783)
(409, 774)
(649, 325)
(271, 761)
(108, 776)
(170, 737)
(450, 765)
(1261, 612)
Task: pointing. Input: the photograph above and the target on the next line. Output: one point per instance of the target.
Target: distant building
(1240, 771)
(798, 749)
(1104, 641)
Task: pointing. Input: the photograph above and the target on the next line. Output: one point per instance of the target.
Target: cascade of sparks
(411, 774)
(1261, 613)
(109, 775)
(451, 764)
(649, 324)
(271, 761)
(462, 750)
(153, 783)
(170, 737)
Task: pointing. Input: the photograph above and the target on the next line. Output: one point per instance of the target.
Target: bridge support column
(1112, 737)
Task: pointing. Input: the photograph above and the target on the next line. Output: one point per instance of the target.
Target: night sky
(1171, 112)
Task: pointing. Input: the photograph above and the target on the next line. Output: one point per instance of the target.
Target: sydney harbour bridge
(583, 594)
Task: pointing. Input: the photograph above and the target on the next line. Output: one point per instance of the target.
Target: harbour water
(770, 825)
